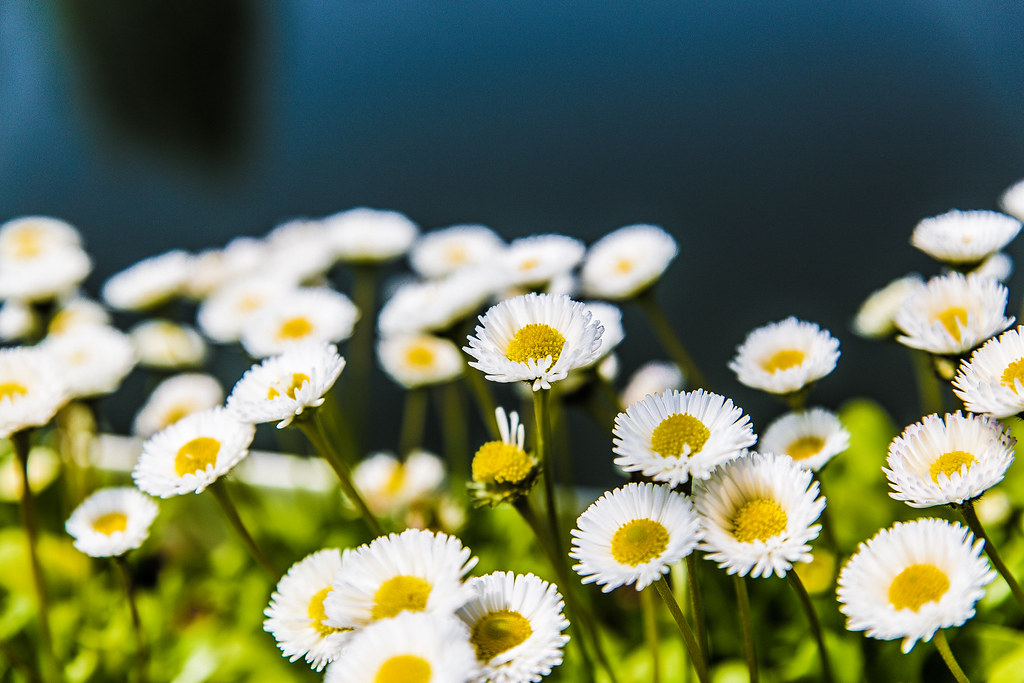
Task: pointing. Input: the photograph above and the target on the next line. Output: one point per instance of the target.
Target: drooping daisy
(912, 579)
(365, 235)
(992, 381)
(305, 314)
(414, 360)
(784, 357)
(624, 263)
(442, 252)
(296, 615)
(536, 338)
(674, 436)
(1012, 200)
(31, 389)
(633, 535)
(149, 282)
(93, 359)
(111, 521)
(876, 318)
(223, 315)
(283, 386)
(414, 571)
(758, 514)
(166, 344)
(953, 314)
(811, 437)
(40, 258)
(390, 485)
(653, 377)
(192, 453)
(174, 398)
(515, 625)
(439, 304)
(964, 237)
(502, 470)
(536, 260)
(949, 459)
(412, 648)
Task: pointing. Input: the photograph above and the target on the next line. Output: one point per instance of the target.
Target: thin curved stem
(942, 645)
(747, 625)
(812, 617)
(697, 606)
(141, 650)
(542, 421)
(651, 633)
(484, 401)
(220, 492)
(974, 524)
(669, 340)
(696, 656)
(929, 390)
(360, 346)
(453, 431)
(410, 434)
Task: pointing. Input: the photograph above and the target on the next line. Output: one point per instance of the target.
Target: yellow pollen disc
(403, 669)
(420, 356)
(623, 266)
(783, 360)
(536, 341)
(498, 632)
(400, 593)
(1014, 371)
(298, 379)
(110, 522)
(249, 303)
(528, 263)
(805, 447)
(952, 318)
(396, 479)
(677, 431)
(456, 254)
(318, 614)
(196, 455)
(758, 520)
(500, 463)
(638, 541)
(62, 321)
(916, 585)
(951, 462)
(12, 390)
(28, 242)
(176, 412)
(295, 328)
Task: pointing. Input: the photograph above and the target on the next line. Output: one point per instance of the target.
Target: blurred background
(789, 147)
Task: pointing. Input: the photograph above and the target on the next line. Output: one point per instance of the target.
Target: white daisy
(653, 377)
(78, 311)
(502, 469)
(213, 269)
(758, 514)
(415, 571)
(437, 305)
(31, 389)
(515, 625)
(876, 318)
(365, 235)
(948, 460)
(17, 320)
(111, 521)
(390, 485)
(609, 317)
(536, 338)
(93, 359)
(992, 381)
(964, 237)
(40, 258)
(413, 648)
(174, 398)
(306, 314)
(299, 250)
(296, 615)
(224, 313)
(624, 263)
(442, 252)
(912, 579)
(414, 360)
(998, 266)
(1012, 200)
(786, 356)
(149, 282)
(953, 314)
(192, 453)
(633, 535)
(811, 437)
(674, 436)
(283, 386)
(166, 344)
(536, 260)
(30, 236)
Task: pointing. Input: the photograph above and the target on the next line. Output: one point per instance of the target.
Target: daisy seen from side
(174, 398)
(964, 238)
(31, 388)
(441, 252)
(784, 357)
(628, 261)
(111, 521)
(876, 317)
(166, 344)
(148, 283)
(93, 359)
(534, 261)
(415, 360)
(364, 235)
(305, 314)
(811, 437)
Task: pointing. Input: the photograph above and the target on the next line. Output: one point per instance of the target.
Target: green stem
(929, 391)
(651, 633)
(697, 605)
(360, 347)
(484, 401)
(542, 432)
(220, 492)
(971, 517)
(453, 430)
(141, 651)
(747, 624)
(812, 617)
(942, 645)
(679, 582)
(18, 663)
(670, 341)
(414, 417)
(696, 657)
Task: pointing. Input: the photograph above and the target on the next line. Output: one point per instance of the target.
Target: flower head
(414, 360)
(1012, 200)
(40, 258)
(168, 345)
(992, 381)
(784, 357)
(304, 314)
(31, 388)
(149, 282)
(174, 398)
(812, 437)
(437, 305)
(442, 252)
(390, 485)
(876, 318)
(365, 235)
(93, 359)
(536, 260)
(624, 263)
(964, 237)
(111, 521)
(653, 377)
(503, 470)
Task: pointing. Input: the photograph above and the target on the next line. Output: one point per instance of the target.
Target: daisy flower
(784, 357)
(414, 571)
(536, 338)
(17, 320)
(503, 470)
(166, 344)
(212, 269)
(306, 314)
(296, 615)
(148, 283)
(758, 514)
(93, 359)
(876, 318)
(609, 317)
(515, 625)
(390, 485)
(953, 314)
(40, 258)
(964, 237)
(413, 648)
(624, 263)
(992, 381)
(281, 387)
(78, 311)
(653, 377)
(948, 460)
(912, 579)
(30, 236)
(998, 266)
(442, 252)
(111, 521)
(299, 251)
(633, 535)
(192, 453)
(365, 235)
(1012, 200)
(437, 305)
(536, 260)
(811, 437)
(674, 436)
(415, 360)
(174, 398)
(31, 389)
(223, 315)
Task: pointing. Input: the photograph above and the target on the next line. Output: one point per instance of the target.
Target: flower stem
(929, 390)
(942, 645)
(453, 431)
(484, 401)
(220, 492)
(812, 617)
(542, 417)
(141, 652)
(670, 341)
(971, 517)
(360, 346)
(747, 624)
(651, 633)
(410, 434)
(697, 605)
(696, 656)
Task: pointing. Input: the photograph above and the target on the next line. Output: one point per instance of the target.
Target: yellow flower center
(805, 447)
(670, 438)
(403, 669)
(499, 462)
(639, 541)
(298, 379)
(456, 254)
(783, 360)
(916, 585)
(28, 242)
(396, 479)
(12, 390)
(196, 455)
(951, 462)
(295, 328)
(420, 356)
(952, 319)
(176, 412)
(249, 303)
(317, 614)
(623, 266)
(1014, 371)
(110, 522)
(535, 341)
(529, 263)
(400, 593)
(759, 519)
(498, 632)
